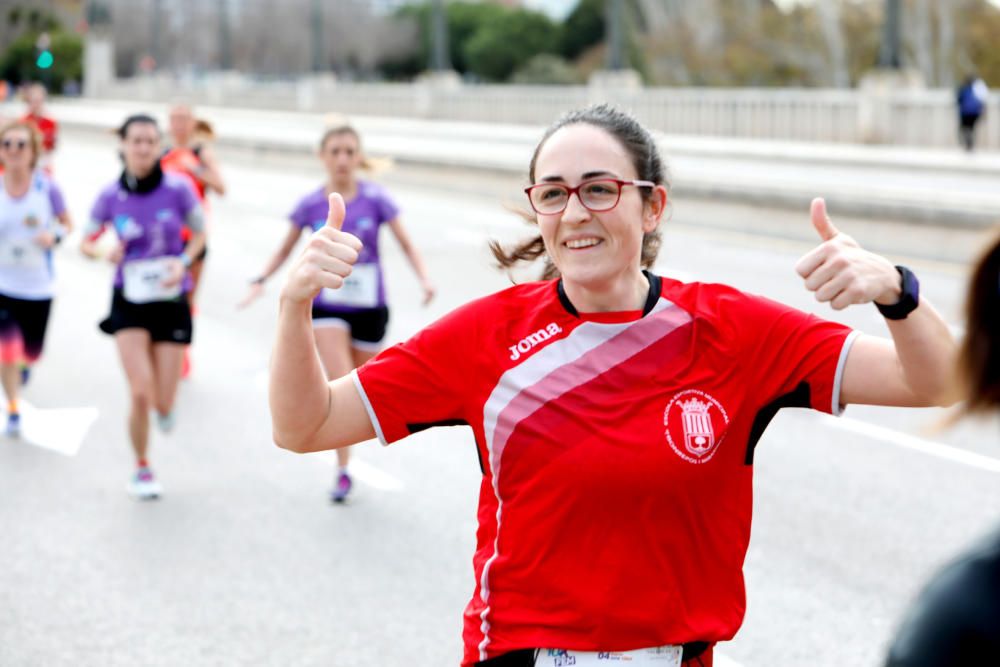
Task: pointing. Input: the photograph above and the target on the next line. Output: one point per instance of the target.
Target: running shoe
(165, 422)
(143, 486)
(13, 425)
(341, 488)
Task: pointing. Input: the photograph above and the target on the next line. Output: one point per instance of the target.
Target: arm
(209, 173)
(273, 264)
(307, 413)
(414, 257)
(912, 370)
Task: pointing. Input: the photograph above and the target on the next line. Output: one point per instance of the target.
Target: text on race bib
(143, 280)
(360, 289)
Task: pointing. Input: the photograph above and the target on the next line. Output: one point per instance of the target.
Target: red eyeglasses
(597, 195)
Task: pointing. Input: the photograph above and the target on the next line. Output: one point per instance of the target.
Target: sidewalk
(938, 187)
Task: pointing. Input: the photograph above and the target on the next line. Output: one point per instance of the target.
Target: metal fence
(913, 118)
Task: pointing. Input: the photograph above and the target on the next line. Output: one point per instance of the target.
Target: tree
(20, 61)
(499, 48)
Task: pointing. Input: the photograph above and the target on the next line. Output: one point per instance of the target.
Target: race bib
(22, 254)
(360, 289)
(144, 278)
(660, 656)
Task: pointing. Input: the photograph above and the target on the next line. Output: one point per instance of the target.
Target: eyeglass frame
(570, 191)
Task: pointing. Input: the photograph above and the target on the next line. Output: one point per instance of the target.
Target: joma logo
(531, 340)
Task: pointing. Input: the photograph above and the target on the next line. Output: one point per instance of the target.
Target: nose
(575, 210)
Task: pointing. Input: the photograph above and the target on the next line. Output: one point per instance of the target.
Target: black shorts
(166, 321)
(367, 326)
(22, 328)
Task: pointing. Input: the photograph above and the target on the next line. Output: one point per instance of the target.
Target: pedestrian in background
(972, 96)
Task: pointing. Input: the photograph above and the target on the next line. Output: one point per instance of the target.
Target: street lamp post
(440, 62)
(888, 54)
(616, 56)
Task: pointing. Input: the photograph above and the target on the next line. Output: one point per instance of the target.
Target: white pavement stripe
(719, 660)
(59, 430)
(914, 443)
(365, 472)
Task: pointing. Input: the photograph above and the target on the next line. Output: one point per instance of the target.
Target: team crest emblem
(695, 425)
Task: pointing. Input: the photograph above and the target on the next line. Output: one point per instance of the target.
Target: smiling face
(17, 149)
(595, 251)
(141, 148)
(341, 155)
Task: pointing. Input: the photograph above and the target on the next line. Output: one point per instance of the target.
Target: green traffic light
(44, 60)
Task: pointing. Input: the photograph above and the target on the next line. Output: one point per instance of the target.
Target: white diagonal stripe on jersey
(555, 370)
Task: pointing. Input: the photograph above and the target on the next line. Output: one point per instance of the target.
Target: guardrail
(911, 118)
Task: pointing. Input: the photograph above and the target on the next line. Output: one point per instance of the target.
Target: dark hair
(979, 355)
(649, 166)
(141, 118)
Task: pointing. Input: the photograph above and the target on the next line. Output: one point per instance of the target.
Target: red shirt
(617, 452)
(181, 161)
(48, 127)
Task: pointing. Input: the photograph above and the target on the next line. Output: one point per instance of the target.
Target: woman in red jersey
(615, 411)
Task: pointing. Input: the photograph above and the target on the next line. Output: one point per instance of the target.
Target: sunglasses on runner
(597, 195)
(20, 144)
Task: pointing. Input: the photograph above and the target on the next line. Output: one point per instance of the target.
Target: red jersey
(181, 161)
(48, 128)
(617, 452)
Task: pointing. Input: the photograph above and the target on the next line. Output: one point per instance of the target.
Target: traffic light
(44, 59)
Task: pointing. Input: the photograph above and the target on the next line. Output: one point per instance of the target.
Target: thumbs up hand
(840, 272)
(327, 259)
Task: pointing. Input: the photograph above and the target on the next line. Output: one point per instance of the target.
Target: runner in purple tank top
(349, 324)
(150, 313)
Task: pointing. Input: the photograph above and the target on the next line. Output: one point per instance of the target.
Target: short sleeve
(100, 212)
(56, 200)
(387, 209)
(187, 199)
(423, 382)
(300, 215)
(791, 353)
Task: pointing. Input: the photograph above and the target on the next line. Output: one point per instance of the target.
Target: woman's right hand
(327, 259)
(254, 292)
(117, 254)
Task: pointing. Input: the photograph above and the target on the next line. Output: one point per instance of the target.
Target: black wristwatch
(909, 299)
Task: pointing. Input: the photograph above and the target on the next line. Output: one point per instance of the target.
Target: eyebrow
(588, 175)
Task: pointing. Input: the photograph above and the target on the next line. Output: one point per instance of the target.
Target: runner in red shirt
(34, 97)
(615, 412)
(192, 158)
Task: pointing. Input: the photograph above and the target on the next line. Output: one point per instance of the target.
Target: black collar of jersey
(655, 288)
(144, 185)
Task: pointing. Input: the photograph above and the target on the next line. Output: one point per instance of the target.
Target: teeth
(582, 243)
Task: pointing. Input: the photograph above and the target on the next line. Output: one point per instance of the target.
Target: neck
(345, 187)
(16, 181)
(626, 291)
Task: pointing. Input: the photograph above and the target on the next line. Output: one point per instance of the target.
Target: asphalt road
(244, 562)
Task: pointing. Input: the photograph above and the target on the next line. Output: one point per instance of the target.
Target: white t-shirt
(25, 267)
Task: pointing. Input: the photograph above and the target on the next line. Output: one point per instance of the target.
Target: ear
(654, 208)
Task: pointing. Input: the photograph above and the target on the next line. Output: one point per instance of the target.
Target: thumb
(335, 218)
(821, 221)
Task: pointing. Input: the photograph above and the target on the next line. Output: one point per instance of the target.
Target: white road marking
(913, 443)
(60, 430)
(365, 472)
(720, 660)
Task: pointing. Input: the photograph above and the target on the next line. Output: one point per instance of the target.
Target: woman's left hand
(45, 240)
(175, 273)
(429, 291)
(841, 272)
